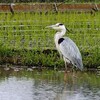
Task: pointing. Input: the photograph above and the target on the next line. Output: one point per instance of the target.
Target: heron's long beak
(51, 26)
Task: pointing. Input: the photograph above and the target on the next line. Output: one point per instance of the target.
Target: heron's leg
(68, 67)
(61, 56)
(65, 64)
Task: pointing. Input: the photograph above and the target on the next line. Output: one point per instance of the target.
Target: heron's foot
(67, 71)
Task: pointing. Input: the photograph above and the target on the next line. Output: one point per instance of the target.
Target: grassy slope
(23, 34)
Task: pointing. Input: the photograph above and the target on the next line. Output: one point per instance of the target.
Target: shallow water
(49, 85)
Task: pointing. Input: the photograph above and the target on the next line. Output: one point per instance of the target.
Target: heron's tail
(78, 63)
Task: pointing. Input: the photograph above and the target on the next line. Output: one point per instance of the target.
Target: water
(49, 85)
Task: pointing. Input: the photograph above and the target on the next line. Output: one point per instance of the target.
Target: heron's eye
(60, 24)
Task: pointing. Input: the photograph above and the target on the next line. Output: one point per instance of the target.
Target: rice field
(25, 32)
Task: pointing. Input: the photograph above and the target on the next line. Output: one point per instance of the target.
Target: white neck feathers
(59, 35)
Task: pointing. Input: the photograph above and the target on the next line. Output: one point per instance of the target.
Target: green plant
(24, 37)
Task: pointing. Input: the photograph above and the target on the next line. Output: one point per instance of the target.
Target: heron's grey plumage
(70, 51)
(66, 47)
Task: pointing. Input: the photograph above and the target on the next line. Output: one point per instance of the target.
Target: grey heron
(66, 47)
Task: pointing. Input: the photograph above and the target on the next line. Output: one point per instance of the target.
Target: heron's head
(57, 27)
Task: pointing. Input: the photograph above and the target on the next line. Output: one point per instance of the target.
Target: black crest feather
(60, 24)
(60, 40)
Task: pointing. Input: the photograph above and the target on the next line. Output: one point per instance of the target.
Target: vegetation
(24, 40)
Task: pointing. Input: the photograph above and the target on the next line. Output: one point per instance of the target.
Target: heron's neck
(60, 34)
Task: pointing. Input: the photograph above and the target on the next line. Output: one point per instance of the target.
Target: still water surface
(49, 85)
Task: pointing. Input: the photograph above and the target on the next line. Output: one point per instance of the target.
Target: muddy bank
(48, 7)
(45, 58)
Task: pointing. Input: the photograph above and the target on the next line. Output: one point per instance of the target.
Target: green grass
(24, 34)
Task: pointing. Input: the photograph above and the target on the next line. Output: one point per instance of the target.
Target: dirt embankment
(48, 7)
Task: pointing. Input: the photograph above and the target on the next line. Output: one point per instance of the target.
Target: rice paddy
(24, 39)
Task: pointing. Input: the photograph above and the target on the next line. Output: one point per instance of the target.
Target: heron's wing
(71, 52)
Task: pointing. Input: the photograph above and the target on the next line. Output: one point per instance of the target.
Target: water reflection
(49, 86)
(16, 89)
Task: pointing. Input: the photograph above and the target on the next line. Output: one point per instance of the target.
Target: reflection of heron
(66, 47)
(11, 8)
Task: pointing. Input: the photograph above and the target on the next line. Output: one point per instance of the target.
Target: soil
(49, 7)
